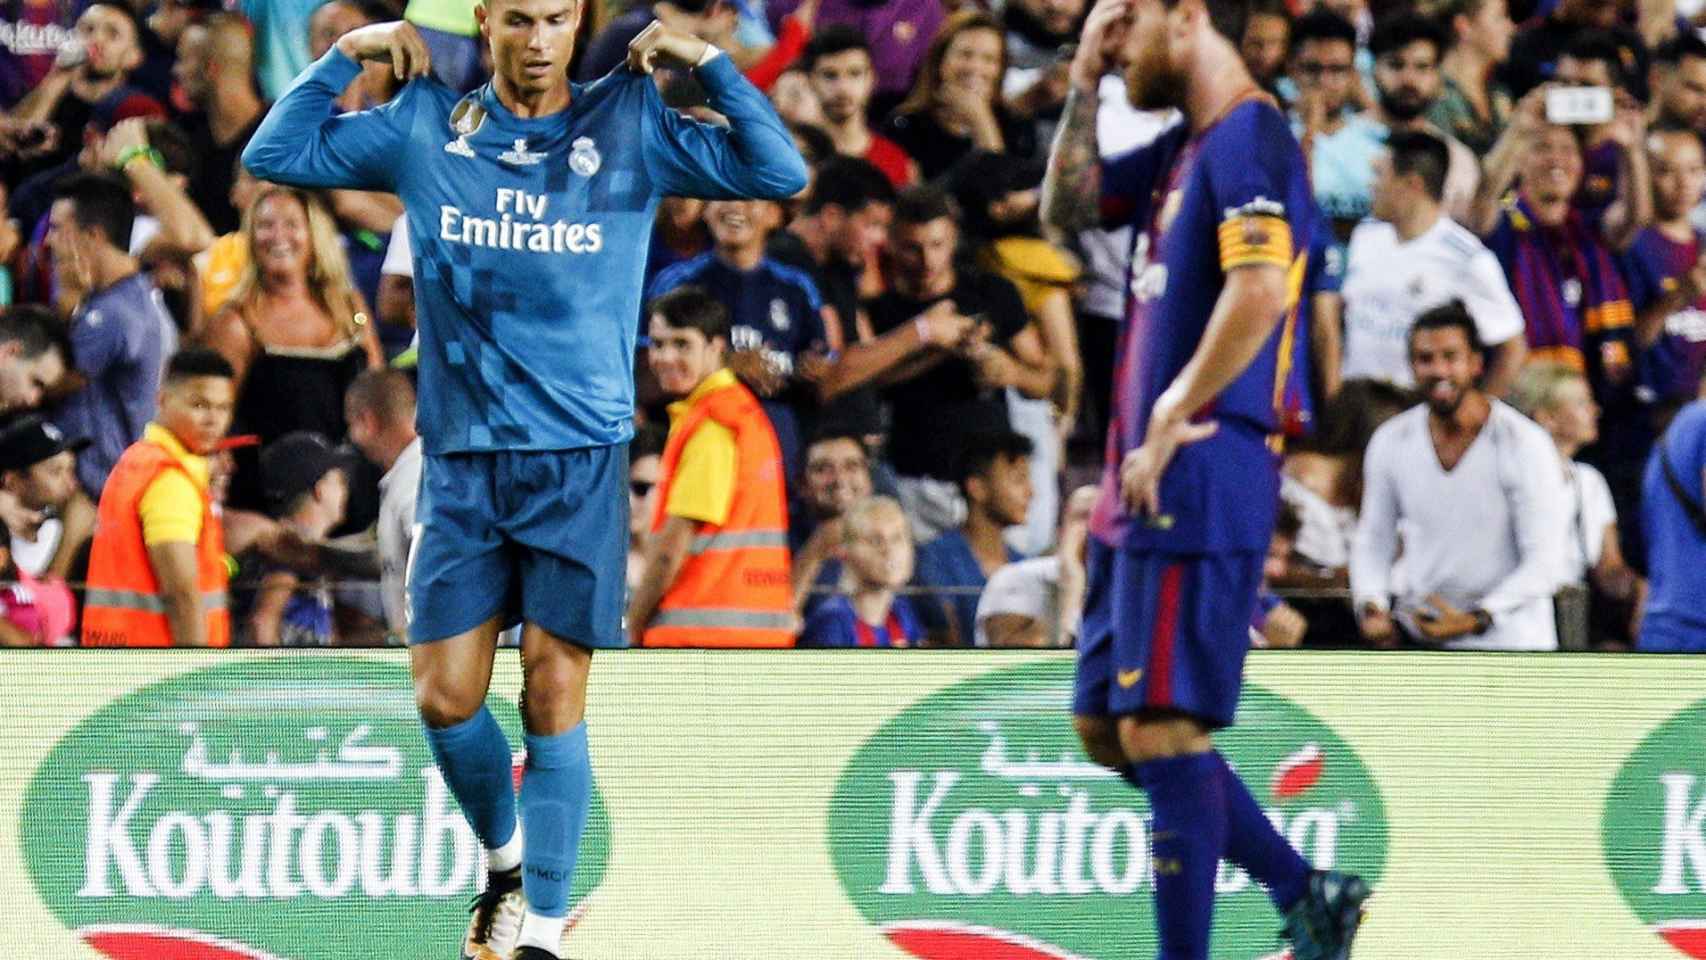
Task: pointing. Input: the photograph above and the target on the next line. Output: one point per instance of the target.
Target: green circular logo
(971, 825)
(263, 808)
(1654, 831)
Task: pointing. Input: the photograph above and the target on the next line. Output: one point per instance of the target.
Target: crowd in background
(935, 361)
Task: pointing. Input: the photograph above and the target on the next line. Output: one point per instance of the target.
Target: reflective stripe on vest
(146, 602)
(717, 618)
(740, 540)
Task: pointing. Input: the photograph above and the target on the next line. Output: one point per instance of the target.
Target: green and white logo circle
(1654, 831)
(267, 809)
(971, 825)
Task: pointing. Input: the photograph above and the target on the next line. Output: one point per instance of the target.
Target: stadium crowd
(1512, 198)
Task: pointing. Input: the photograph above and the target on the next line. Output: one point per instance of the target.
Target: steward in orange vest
(717, 558)
(157, 569)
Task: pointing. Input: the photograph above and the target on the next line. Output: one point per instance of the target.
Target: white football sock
(507, 857)
(546, 933)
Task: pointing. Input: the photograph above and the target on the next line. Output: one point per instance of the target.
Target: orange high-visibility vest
(732, 591)
(124, 607)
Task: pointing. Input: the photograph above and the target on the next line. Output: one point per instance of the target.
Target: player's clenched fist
(397, 43)
(658, 45)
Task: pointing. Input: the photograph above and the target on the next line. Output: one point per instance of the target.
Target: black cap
(292, 464)
(29, 440)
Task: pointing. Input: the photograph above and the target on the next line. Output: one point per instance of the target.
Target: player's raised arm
(753, 157)
(300, 143)
(1072, 184)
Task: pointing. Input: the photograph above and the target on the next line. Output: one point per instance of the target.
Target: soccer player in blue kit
(530, 205)
(1223, 216)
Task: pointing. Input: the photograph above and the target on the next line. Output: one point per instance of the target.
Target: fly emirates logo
(520, 224)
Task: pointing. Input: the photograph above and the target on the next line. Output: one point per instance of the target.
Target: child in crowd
(877, 557)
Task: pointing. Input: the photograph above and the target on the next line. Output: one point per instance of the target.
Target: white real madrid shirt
(1389, 283)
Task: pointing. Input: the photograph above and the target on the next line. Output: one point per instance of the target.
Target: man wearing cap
(38, 468)
(157, 571)
(307, 485)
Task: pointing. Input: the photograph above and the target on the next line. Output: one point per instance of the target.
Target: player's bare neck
(1466, 421)
(1215, 89)
(531, 106)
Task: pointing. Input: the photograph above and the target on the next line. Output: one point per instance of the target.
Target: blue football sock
(1187, 796)
(555, 793)
(474, 757)
(1254, 844)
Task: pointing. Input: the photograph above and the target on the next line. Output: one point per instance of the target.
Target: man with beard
(837, 63)
(1407, 82)
(215, 70)
(1189, 490)
(1616, 184)
(1680, 66)
(1340, 141)
(1483, 548)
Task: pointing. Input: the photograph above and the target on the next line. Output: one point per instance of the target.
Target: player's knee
(1101, 743)
(1144, 738)
(553, 693)
(443, 703)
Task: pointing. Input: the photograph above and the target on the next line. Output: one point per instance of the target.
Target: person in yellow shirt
(157, 568)
(716, 562)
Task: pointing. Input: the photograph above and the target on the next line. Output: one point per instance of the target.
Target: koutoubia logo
(1654, 831)
(277, 809)
(970, 825)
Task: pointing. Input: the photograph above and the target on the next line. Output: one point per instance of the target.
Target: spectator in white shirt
(380, 410)
(1037, 602)
(1411, 257)
(1560, 400)
(1454, 481)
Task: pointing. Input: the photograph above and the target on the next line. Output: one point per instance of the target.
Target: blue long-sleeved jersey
(529, 234)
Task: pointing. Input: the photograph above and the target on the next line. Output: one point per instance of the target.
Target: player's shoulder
(1456, 240)
(1251, 129)
(1514, 422)
(1371, 235)
(1401, 427)
(428, 94)
(682, 272)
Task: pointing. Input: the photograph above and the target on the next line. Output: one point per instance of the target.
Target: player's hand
(1377, 626)
(1141, 470)
(661, 46)
(1104, 27)
(1284, 628)
(757, 370)
(397, 43)
(1439, 621)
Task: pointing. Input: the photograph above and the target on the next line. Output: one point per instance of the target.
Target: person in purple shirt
(898, 31)
(121, 333)
(995, 479)
(1613, 164)
(878, 556)
(1667, 278)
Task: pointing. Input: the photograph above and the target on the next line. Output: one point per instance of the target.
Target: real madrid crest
(583, 156)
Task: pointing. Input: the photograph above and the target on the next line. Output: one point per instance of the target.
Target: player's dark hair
(100, 201)
(833, 433)
(649, 440)
(1681, 47)
(1449, 316)
(1422, 154)
(386, 393)
(175, 148)
(850, 183)
(983, 449)
(1321, 25)
(1598, 46)
(1397, 31)
(34, 328)
(831, 40)
(922, 204)
(1228, 17)
(691, 308)
(197, 362)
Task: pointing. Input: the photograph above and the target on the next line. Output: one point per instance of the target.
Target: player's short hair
(649, 440)
(1681, 47)
(833, 433)
(831, 40)
(197, 362)
(1449, 316)
(100, 201)
(1598, 46)
(850, 183)
(1422, 154)
(34, 328)
(1536, 387)
(923, 204)
(1397, 31)
(691, 308)
(1323, 25)
(1228, 16)
(982, 449)
(385, 393)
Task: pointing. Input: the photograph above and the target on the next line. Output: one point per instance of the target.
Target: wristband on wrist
(131, 153)
(923, 327)
(711, 52)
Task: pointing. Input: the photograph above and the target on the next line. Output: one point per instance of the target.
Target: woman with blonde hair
(956, 105)
(295, 328)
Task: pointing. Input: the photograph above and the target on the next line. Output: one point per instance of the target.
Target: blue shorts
(534, 535)
(1165, 632)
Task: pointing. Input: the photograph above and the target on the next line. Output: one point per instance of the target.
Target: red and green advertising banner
(933, 806)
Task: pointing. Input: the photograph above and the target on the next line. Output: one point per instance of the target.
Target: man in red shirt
(838, 63)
